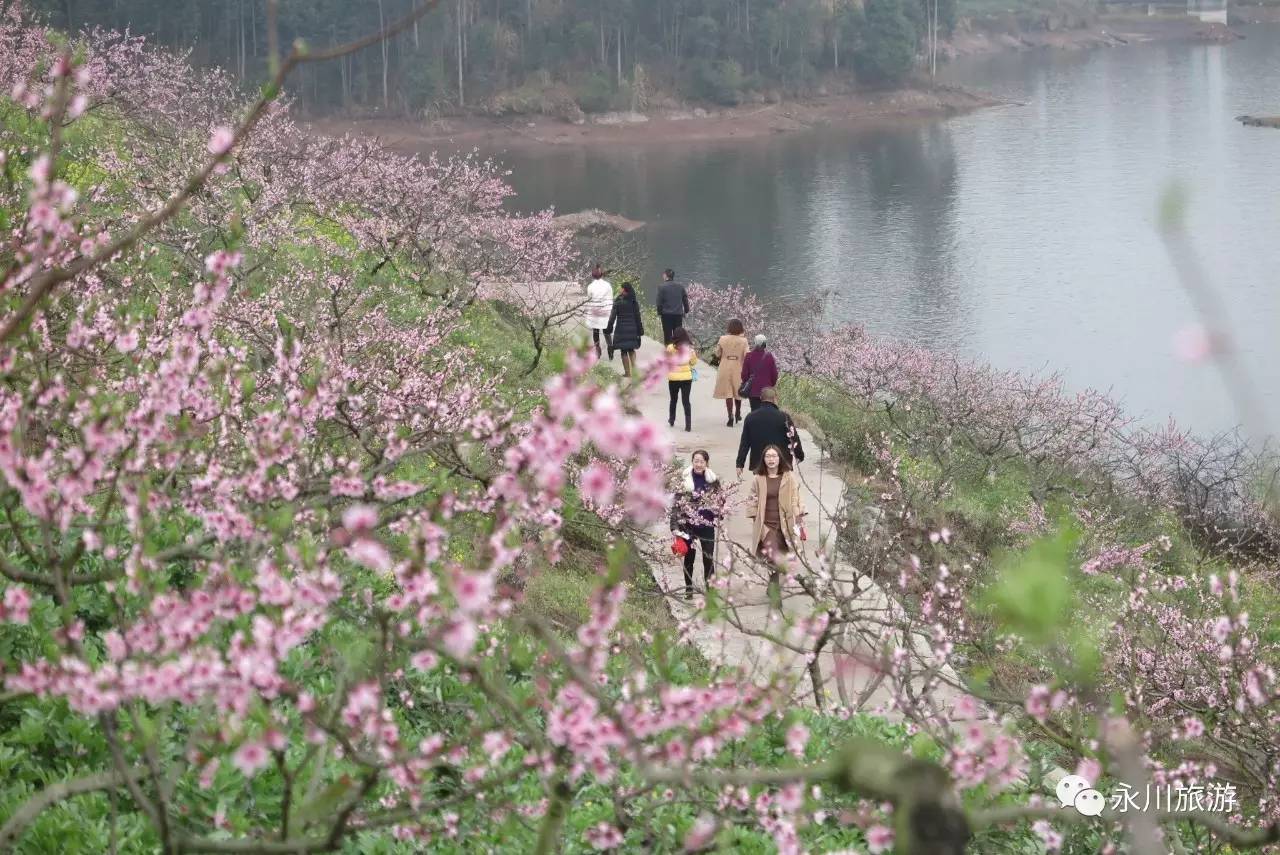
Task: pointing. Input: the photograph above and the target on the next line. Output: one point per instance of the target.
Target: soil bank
(702, 124)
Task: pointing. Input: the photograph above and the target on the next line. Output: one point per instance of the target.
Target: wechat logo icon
(1075, 791)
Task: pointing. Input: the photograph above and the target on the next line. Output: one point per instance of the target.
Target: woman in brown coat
(731, 349)
(776, 509)
(775, 505)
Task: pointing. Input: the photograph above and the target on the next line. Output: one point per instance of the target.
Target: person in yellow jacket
(680, 380)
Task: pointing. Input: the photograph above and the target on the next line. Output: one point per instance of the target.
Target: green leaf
(325, 803)
(616, 563)
(923, 746)
(1034, 595)
(713, 610)
(1173, 207)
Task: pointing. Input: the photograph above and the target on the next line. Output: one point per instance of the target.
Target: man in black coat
(673, 304)
(768, 426)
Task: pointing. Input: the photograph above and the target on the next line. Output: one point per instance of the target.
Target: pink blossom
(127, 342)
(1089, 769)
(359, 519)
(797, 739)
(1038, 702)
(371, 554)
(701, 833)
(1193, 344)
(221, 140)
(473, 591)
(879, 838)
(603, 836)
(17, 605)
(964, 708)
(460, 637)
(597, 484)
(251, 757)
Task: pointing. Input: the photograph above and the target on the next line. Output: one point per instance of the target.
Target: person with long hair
(731, 349)
(680, 379)
(693, 517)
(776, 508)
(598, 306)
(625, 327)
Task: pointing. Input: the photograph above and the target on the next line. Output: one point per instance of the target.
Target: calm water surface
(1022, 235)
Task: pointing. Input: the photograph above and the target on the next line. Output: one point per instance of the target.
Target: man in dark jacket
(673, 304)
(765, 427)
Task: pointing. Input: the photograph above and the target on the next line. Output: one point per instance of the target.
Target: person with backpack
(765, 427)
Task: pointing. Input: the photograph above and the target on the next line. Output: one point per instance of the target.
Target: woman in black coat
(625, 327)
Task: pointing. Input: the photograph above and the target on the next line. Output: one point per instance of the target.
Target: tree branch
(12, 830)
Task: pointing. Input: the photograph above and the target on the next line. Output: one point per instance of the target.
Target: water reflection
(1022, 235)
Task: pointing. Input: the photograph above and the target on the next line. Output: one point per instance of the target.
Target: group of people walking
(775, 508)
(769, 441)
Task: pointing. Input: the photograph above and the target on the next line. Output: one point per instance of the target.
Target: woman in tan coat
(731, 349)
(775, 505)
(777, 510)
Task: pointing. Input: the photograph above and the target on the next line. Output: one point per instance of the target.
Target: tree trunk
(461, 99)
(382, 25)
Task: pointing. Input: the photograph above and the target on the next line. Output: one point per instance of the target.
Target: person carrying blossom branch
(694, 515)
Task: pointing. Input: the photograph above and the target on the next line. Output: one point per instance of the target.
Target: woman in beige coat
(775, 506)
(731, 349)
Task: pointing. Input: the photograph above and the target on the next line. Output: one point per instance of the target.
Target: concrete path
(749, 636)
(752, 635)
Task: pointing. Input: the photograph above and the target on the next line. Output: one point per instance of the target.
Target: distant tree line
(595, 54)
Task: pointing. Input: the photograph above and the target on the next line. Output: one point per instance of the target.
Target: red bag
(680, 547)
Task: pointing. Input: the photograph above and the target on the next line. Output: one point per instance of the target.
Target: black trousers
(706, 538)
(755, 404)
(670, 323)
(679, 389)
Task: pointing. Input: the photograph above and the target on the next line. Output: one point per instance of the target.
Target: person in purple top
(761, 368)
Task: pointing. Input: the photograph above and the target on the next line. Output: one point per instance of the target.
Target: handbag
(744, 391)
(680, 546)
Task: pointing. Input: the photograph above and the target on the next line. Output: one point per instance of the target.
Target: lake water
(1022, 235)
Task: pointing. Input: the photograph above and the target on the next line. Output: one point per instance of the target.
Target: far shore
(693, 124)
(664, 127)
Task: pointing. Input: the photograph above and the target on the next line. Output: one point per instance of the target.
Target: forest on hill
(545, 56)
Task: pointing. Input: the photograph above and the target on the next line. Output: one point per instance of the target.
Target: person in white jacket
(599, 305)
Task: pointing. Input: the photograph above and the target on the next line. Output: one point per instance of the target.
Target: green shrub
(718, 82)
(888, 48)
(594, 93)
